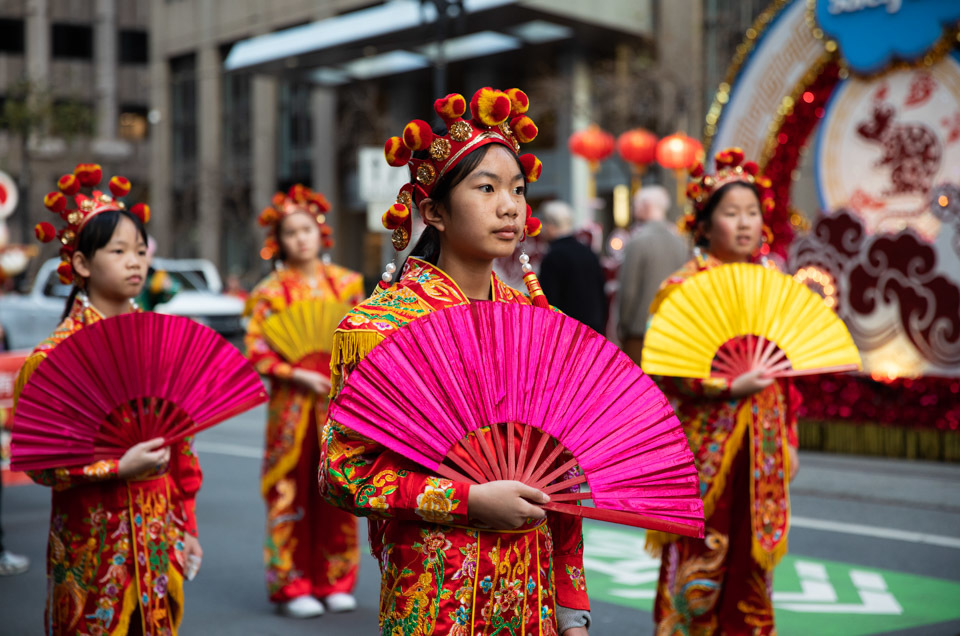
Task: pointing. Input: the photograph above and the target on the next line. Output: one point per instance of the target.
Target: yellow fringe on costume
(288, 461)
(349, 348)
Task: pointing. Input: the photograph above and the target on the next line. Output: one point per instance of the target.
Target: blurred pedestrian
(570, 273)
(654, 252)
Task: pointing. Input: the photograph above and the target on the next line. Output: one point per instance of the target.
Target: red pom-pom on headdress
(141, 210)
(45, 232)
(396, 152)
(417, 135)
(65, 272)
(531, 167)
(119, 187)
(395, 216)
(89, 174)
(451, 107)
(519, 102)
(69, 184)
(490, 106)
(523, 129)
(532, 226)
(56, 202)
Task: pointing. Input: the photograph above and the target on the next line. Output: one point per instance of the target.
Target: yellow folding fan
(738, 317)
(304, 330)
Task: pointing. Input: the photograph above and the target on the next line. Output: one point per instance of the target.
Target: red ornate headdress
(298, 198)
(497, 117)
(730, 167)
(85, 175)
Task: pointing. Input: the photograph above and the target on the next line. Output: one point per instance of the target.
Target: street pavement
(874, 549)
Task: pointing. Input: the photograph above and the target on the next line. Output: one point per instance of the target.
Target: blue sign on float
(874, 33)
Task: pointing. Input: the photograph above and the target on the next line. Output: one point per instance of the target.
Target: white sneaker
(302, 607)
(11, 563)
(340, 602)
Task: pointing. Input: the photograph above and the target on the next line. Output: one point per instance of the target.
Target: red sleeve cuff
(570, 581)
(190, 516)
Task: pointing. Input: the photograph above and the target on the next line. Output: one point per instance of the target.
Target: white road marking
(874, 531)
(819, 597)
(233, 450)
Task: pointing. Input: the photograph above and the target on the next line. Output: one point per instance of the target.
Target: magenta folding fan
(125, 380)
(441, 391)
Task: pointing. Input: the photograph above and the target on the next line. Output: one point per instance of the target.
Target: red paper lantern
(638, 147)
(679, 152)
(593, 144)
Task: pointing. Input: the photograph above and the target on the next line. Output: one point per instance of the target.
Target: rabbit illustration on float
(911, 150)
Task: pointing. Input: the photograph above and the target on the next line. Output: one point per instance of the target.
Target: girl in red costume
(311, 547)
(122, 532)
(742, 434)
(454, 558)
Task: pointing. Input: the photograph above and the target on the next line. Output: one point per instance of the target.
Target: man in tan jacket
(654, 252)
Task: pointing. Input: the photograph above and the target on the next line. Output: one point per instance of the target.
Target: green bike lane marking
(811, 596)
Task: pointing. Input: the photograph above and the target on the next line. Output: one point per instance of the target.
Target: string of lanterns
(639, 148)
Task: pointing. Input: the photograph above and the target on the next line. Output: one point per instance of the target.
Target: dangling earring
(84, 299)
(325, 259)
(698, 254)
(525, 260)
(387, 276)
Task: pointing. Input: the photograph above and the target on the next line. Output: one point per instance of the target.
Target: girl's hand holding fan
(151, 455)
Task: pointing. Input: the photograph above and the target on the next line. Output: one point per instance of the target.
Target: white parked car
(29, 318)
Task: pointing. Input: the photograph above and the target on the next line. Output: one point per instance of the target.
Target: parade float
(859, 101)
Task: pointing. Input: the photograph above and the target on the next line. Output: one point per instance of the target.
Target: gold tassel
(349, 348)
(765, 559)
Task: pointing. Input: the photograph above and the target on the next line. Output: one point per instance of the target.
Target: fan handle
(628, 519)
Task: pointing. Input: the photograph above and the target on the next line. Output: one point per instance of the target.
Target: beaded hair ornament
(730, 168)
(497, 117)
(85, 175)
(298, 198)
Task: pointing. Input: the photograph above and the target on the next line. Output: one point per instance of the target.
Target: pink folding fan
(125, 380)
(491, 391)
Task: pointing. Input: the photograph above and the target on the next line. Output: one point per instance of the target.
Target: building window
(133, 47)
(133, 122)
(72, 41)
(11, 36)
(236, 129)
(183, 169)
(294, 151)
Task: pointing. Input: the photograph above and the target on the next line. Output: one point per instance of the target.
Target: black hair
(96, 234)
(704, 216)
(427, 247)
